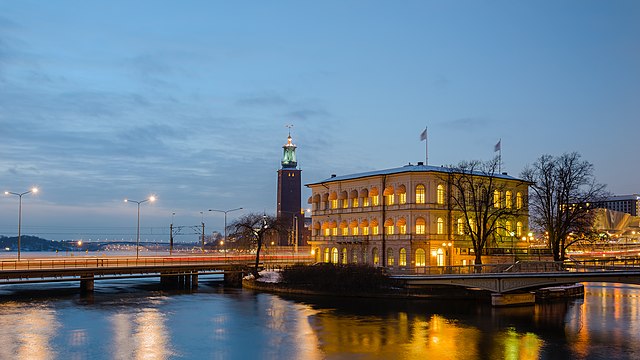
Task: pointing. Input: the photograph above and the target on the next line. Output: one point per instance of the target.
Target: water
(133, 319)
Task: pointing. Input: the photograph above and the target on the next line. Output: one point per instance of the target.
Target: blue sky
(102, 100)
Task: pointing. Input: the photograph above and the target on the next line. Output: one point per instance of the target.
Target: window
(402, 260)
(375, 200)
(420, 194)
(390, 258)
(334, 204)
(317, 255)
(440, 257)
(389, 199)
(334, 231)
(496, 199)
(344, 231)
(440, 228)
(327, 232)
(460, 226)
(402, 226)
(440, 195)
(420, 226)
(355, 231)
(354, 202)
(345, 203)
(354, 256)
(389, 228)
(344, 258)
(376, 257)
(507, 228)
(326, 255)
(421, 258)
(365, 230)
(472, 225)
(507, 200)
(375, 230)
(518, 229)
(402, 198)
(518, 200)
(365, 201)
(334, 255)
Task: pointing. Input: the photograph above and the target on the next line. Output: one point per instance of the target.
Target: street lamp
(33, 190)
(225, 220)
(151, 199)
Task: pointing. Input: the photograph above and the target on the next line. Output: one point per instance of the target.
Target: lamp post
(225, 221)
(151, 199)
(33, 190)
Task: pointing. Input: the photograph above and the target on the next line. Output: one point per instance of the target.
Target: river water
(134, 319)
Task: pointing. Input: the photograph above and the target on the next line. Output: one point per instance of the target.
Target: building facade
(289, 198)
(403, 218)
(623, 203)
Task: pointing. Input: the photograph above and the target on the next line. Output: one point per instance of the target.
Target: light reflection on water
(132, 319)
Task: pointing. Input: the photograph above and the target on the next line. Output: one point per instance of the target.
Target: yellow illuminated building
(404, 218)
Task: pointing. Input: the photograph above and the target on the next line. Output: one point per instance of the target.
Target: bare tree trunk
(255, 269)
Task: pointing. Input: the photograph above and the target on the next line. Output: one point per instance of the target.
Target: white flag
(497, 147)
(423, 136)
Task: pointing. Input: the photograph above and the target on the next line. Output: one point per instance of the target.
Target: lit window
(421, 258)
(402, 198)
(472, 225)
(327, 232)
(390, 258)
(334, 255)
(460, 226)
(345, 203)
(344, 231)
(365, 201)
(507, 227)
(402, 229)
(334, 231)
(518, 200)
(365, 231)
(326, 255)
(420, 194)
(518, 229)
(344, 256)
(375, 200)
(389, 228)
(496, 199)
(402, 260)
(440, 195)
(440, 228)
(420, 226)
(354, 203)
(334, 204)
(389, 199)
(376, 257)
(375, 230)
(507, 199)
(354, 256)
(355, 231)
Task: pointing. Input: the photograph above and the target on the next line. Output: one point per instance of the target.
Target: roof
(403, 169)
(623, 197)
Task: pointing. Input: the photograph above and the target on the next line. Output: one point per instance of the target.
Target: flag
(423, 136)
(497, 146)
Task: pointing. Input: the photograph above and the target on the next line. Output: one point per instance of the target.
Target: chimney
(420, 163)
(333, 175)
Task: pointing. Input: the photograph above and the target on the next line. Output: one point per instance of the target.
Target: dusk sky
(188, 100)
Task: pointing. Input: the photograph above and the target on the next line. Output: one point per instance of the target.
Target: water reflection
(28, 331)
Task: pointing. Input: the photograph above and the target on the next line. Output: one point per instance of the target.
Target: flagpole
(426, 147)
(500, 156)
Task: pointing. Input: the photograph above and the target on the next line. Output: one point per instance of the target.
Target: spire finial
(289, 127)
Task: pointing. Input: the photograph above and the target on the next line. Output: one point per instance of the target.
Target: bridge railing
(106, 262)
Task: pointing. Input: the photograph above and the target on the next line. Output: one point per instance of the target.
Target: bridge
(174, 271)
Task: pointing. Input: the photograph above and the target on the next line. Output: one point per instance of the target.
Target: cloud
(469, 123)
(306, 114)
(262, 100)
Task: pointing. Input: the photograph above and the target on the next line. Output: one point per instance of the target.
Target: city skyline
(104, 101)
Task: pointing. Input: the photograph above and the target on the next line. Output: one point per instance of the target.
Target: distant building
(290, 198)
(622, 203)
(402, 218)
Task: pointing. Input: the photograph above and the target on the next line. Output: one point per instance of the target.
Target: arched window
(390, 258)
(326, 255)
(440, 257)
(389, 228)
(365, 227)
(375, 230)
(344, 228)
(354, 227)
(334, 255)
(440, 227)
(518, 200)
(518, 229)
(317, 255)
(354, 256)
(496, 198)
(507, 199)
(333, 199)
(420, 191)
(344, 258)
(402, 260)
(401, 191)
(402, 226)
(507, 228)
(420, 226)
(376, 257)
(460, 226)
(440, 194)
(375, 199)
(421, 258)
(389, 197)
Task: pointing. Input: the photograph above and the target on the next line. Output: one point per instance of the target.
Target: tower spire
(289, 154)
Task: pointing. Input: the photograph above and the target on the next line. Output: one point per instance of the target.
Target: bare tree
(253, 228)
(476, 193)
(564, 191)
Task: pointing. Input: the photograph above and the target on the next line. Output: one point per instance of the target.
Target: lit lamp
(225, 222)
(33, 190)
(151, 199)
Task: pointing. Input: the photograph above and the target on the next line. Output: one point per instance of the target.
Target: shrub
(336, 278)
